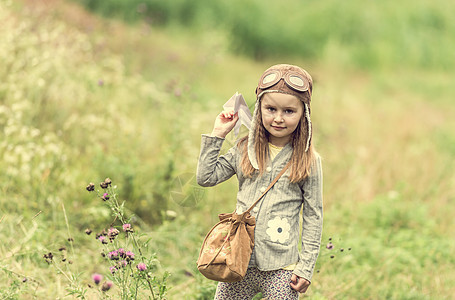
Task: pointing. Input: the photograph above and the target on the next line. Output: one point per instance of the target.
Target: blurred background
(124, 89)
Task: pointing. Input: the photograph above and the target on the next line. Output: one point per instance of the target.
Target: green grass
(83, 98)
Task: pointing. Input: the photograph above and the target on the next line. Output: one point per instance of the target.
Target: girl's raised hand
(224, 123)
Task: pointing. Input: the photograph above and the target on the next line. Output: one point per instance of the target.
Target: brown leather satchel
(226, 250)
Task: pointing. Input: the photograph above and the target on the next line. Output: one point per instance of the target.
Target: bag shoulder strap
(270, 186)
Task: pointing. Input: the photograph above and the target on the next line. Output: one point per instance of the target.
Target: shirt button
(268, 169)
(262, 189)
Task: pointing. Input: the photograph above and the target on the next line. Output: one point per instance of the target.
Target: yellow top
(274, 150)
(290, 267)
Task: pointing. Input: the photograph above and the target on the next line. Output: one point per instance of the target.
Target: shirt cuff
(301, 271)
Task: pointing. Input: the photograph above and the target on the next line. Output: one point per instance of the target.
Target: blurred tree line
(365, 34)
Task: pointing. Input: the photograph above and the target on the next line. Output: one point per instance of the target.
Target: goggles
(292, 79)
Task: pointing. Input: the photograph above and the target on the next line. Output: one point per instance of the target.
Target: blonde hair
(301, 161)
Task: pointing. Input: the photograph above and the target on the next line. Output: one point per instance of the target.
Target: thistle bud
(106, 286)
(90, 187)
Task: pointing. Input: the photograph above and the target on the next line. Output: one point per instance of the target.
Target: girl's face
(281, 114)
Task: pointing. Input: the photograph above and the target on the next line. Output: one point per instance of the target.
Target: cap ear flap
(307, 117)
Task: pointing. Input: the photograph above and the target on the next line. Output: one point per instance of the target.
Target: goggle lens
(270, 79)
(294, 81)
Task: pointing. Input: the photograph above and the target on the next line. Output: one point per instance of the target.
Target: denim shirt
(277, 231)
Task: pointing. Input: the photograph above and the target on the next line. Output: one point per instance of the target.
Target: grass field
(83, 98)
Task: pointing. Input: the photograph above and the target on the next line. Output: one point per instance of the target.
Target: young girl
(280, 132)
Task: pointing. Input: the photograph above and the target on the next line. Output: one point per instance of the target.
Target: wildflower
(113, 255)
(121, 252)
(329, 246)
(107, 181)
(122, 263)
(113, 269)
(141, 267)
(105, 197)
(62, 249)
(332, 256)
(90, 187)
(100, 82)
(24, 279)
(102, 233)
(102, 239)
(112, 233)
(48, 257)
(88, 231)
(106, 286)
(129, 255)
(127, 228)
(97, 278)
(104, 185)
(70, 239)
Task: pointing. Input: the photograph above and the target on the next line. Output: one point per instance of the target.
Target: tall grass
(84, 98)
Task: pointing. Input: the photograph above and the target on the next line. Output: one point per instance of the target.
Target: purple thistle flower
(102, 239)
(105, 197)
(112, 233)
(113, 269)
(129, 255)
(100, 82)
(127, 228)
(113, 255)
(122, 263)
(97, 278)
(329, 246)
(141, 267)
(122, 252)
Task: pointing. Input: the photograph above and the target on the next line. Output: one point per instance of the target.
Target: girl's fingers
(228, 114)
(294, 279)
